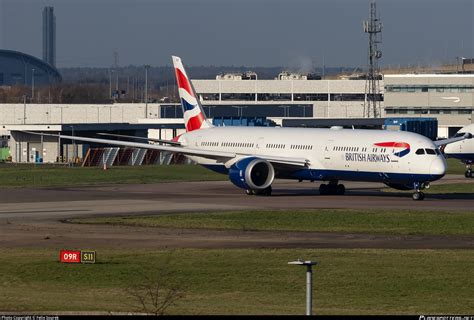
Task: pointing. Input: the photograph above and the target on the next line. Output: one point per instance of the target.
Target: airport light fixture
(309, 282)
(239, 110)
(146, 90)
(286, 111)
(74, 150)
(32, 84)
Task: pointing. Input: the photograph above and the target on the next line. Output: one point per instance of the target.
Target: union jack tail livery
(194, 116)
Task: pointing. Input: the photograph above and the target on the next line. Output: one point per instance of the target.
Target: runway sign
(70, 256)
(87, 256)
(76, 256)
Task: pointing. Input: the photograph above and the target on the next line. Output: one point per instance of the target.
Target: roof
(32, 59)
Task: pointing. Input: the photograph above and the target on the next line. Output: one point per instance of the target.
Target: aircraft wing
(221, 156)
(443, 142)
(172, 143)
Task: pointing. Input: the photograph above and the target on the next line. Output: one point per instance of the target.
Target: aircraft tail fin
(193, 113)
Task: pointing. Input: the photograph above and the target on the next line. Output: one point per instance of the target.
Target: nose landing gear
(418, 186)
(468, 173)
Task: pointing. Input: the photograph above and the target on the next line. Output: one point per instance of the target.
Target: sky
(266, 33)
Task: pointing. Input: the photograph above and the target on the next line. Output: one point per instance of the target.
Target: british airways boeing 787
(253, 157)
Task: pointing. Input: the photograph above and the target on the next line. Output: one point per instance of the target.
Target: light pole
(286, 110)
(146, 90)
(110, 84)
(32, 84)
(209, 110)
(74, 151)
(61, 111)
(309, 282)
(239, 110)
(24, 109)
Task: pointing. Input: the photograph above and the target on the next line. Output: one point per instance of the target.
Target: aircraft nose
(438, 167)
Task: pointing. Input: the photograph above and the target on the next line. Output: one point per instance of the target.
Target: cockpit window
(437, 151)
(420, 151)
(459, 134)
(430, 151)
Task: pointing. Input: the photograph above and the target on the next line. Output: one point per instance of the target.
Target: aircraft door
(198, 141)
(328, 153)
(259, 146)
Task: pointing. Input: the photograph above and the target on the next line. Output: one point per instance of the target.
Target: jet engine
(252, 174)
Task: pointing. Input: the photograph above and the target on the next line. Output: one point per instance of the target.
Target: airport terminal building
(447, 97)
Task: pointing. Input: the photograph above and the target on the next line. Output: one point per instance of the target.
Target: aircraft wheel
(323, 189)
(417, 196)
(341, 189)
(468, 173)
(265, 192)
(249, 192)
(268, 191)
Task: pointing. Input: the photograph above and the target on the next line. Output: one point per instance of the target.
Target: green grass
(250, 281)
(451, 188)
(45, 175)
(455, 166)
(48, 175)
(322, 220)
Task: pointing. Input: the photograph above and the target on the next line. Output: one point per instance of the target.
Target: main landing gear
(265, 192)
(418, 195)
(468, 173)
(332, 188)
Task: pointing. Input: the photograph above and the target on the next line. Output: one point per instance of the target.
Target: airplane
(253, 157)
(463, 150)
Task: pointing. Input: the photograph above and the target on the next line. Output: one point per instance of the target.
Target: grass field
(45, 175)
(49, 175)
(249, 281)
(452, 188)
(322, 220)
(455, 167)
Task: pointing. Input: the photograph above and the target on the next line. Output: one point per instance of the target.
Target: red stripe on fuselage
(393, 144)
(183, 82)
(195, 122)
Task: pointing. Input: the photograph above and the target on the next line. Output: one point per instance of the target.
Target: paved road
(32, 217)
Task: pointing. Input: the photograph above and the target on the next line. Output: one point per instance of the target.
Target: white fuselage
(332, 154)
(463, 150)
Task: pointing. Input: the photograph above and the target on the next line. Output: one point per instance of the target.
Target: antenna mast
(372, 84)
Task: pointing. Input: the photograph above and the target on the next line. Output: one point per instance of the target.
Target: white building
(449, 98)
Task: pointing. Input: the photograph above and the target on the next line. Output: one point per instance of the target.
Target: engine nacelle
(252, 173)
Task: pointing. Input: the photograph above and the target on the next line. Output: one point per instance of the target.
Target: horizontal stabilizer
(172, 143)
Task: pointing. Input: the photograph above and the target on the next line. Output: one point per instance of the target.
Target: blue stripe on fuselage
(462, 156)
(326, 175)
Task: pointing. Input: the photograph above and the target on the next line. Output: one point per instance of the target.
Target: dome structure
(17, 68)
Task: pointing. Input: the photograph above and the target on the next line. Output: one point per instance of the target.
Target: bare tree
(156, 291)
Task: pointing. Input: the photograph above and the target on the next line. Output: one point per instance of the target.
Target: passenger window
(420, 151)
(430, 151)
